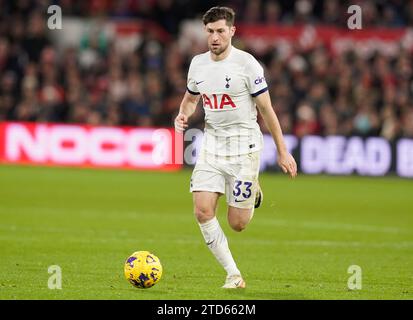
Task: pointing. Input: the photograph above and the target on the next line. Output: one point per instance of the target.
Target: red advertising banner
(163, 149)
(365, 41)
(88, 146)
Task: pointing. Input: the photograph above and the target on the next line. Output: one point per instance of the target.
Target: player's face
(219, 36)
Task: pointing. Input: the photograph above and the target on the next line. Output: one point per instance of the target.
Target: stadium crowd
(313, 92)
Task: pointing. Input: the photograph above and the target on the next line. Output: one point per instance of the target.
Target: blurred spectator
(328, 120)
(252, 13)
(135, 108)
(272, 13)
(407, 123)
(390, 125)
(36, 39)
(307, 122)
(331, 12)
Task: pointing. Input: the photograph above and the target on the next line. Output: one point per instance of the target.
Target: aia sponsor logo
(217, 101)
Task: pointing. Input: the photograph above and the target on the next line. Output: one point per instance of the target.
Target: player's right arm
(186, 109)
(190, 100)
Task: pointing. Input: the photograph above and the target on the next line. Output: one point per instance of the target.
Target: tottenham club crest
(227, 80)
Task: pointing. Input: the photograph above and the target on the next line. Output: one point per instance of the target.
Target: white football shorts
(234, 176)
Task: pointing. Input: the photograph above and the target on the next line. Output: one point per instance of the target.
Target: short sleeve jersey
(227, 88)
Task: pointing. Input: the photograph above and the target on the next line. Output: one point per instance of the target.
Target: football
(143, 269)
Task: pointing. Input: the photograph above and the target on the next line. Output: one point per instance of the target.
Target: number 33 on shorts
(243, 191)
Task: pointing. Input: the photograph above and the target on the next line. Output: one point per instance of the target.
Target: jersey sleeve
(255, 78)
(191, 83)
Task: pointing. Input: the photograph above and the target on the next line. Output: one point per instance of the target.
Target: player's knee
(239, 218)
(203, 214)
(238, 226)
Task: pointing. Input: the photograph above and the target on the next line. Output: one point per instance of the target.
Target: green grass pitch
(299, 245)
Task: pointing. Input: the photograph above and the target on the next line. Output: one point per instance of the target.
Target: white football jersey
(227, 88)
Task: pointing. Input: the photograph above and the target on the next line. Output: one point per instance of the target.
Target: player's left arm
(285, 159)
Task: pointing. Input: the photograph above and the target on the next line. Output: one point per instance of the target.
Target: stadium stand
(315, 90)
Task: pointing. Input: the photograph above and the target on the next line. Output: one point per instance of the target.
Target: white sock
(218, 244)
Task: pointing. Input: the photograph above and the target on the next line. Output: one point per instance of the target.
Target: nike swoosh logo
(238, 283)
(210, 242)
(199, 82)
(236, 200)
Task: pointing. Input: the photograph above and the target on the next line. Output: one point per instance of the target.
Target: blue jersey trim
(192, 92)
(259, 92)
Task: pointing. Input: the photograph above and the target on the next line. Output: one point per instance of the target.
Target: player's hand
(287, 164)
(181, 122)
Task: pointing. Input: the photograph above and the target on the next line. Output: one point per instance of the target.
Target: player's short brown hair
(218, 13)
